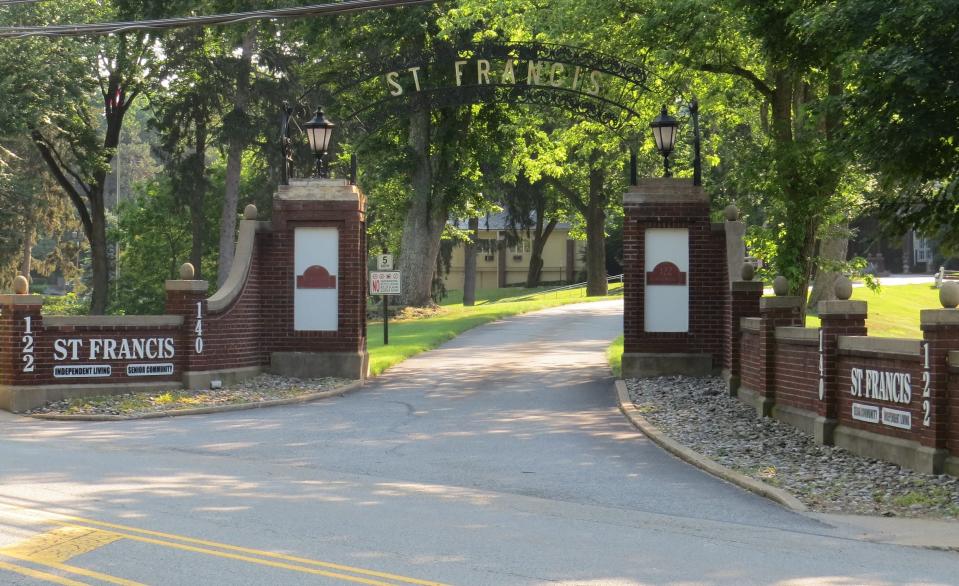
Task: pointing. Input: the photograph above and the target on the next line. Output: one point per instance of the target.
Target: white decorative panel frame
(316, 253)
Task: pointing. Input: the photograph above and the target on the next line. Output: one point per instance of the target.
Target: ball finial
(843, 288)
(21, 286)
(731, 212)
(187, 272)
(949, 294)
(748, 271)
(781, 286)
(250, 212)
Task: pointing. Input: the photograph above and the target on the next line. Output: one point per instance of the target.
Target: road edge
(675, 448)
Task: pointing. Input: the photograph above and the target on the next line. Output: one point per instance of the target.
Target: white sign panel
(667, 305)
(896, 418)
(316, 253)
(149, 369)
(83, 371)
(867, 413)
(384, 262)
(385, 283)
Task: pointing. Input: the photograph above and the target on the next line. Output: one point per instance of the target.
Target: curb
(777, 495)
(205, 410)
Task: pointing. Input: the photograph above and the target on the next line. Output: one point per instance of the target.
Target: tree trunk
(535, 273)
(98, 254)
(469, 275)
(234, 161)
(832, 250)
(197, 197)
(26, 261)
(425, 218)
(596, 283)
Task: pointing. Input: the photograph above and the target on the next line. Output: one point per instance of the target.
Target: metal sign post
(385, 283)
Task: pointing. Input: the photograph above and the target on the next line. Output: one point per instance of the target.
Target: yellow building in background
(498, 265)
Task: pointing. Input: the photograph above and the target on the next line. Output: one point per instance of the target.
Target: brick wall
(883, 363)
(751, 359)
(797, 374)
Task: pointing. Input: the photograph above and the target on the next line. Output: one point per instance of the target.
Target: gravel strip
(701, 415)
(265, 387)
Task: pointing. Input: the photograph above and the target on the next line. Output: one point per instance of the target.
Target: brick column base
(839, 318)
(774, 312)
(940, 333)
(744, 302)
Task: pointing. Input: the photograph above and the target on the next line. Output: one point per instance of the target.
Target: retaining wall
(885, 398)
(244, 328)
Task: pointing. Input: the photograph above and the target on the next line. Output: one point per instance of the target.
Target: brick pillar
(306, 339)
(774, 312)
(743, 302)
(187, 298)
(20, 325)
(940, 332)
(839, 318)
(676, 286)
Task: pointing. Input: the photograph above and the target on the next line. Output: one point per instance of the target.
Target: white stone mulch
(700, 414)
(265, 387)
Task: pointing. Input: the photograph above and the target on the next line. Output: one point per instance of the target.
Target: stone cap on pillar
(747, 287)
(783, 302)
(939, 317)
(14, 299)
(845, 308)
(665, 190)
(192, 286)
(319, 190)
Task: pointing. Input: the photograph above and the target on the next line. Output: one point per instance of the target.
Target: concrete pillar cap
(843, 307)
(782, 302)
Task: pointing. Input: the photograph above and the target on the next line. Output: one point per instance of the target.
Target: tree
(75, 133)
(901, 110)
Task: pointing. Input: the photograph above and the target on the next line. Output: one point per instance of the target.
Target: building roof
(500, 221)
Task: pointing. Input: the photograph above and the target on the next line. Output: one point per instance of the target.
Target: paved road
(498, 459)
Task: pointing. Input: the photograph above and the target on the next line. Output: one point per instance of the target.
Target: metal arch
(572, 100)
(632, 73)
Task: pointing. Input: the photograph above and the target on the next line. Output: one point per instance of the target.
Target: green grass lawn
(410, 337)
(894, 310)
(615, 355)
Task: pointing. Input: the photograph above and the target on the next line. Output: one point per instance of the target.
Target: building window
(922, 248)
(523, 246)
(486, 246)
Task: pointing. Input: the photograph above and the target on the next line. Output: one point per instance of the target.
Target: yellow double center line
(91, 532)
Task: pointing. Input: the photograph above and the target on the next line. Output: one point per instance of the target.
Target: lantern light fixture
(664, 133)
(319, 130)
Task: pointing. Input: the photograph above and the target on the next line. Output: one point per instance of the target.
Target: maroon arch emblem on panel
(666, 273)
(316, 277)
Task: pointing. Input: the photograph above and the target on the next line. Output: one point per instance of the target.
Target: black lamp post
(664, 132)
(319, 130)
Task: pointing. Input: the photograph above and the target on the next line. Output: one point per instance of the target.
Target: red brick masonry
(46, 358)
